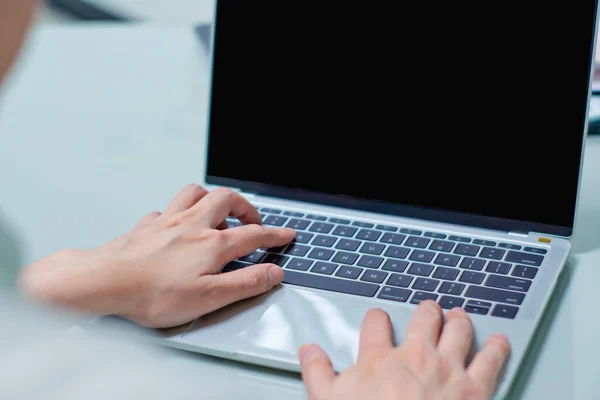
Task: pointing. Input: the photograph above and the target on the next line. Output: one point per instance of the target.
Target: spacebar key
(331, 284)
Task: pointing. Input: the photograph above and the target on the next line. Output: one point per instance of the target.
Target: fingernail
(272, 271)
(305, 352)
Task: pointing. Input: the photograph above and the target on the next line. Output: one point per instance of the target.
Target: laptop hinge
(518, 233)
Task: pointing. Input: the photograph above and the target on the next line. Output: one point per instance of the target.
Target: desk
(105, 123)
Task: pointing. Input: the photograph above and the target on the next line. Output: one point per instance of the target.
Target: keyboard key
(324, 241)
(293, 214)
(324, 268)
(298, 224)
(466, 249)
(420, 269)
(316, 217)
(441, 245)
(349, 272)
(343, 257)
(417, 242)
(460, 239)
(472, 277)
(435, 235)
(428, 285)
(321, 227)
(476, 310)
(452, 288)
(346, 231)
(299, 264)
(510, 246)
(504, 311)
(411, 231)
(339, 221)
(400, 280)
(270, 210)
(474, 264)
(396, 252)
(234, 266)
(372, 248)
(363, 224)
(495, 295)
(303, 237)
(394, 294)
(386, 228)
(321, 254)
(484, 242)
(504, 282)
(395, 265)
(297, 250)
(450, 302)
(277, 259)
(368, 234)
(422, 256)
(535, 250)
(447, 274)
(374, 276)
(518, 257)
(479, 303)
(370, 261)
(491, 253)
(348, 244)
(253, 258)
(497, 267)
(332, 284)
(275, 220)
(392, 238)
(233, 224)
(523, 271)
(277, 250)
(422, 296)
(449, 260)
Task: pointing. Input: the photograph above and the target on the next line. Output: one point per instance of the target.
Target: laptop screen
(476, 111)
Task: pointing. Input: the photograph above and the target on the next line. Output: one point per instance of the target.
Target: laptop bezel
(402, 210)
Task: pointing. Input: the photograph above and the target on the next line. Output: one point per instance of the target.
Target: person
(166, 272)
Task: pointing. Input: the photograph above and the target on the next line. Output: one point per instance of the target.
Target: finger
(243, 240)
(185, 199)
(457, 336)
(223, 202)
(425, 324)
(375, 336)
(487, 364)
(244, 283)
(317, 372)
(147, 220)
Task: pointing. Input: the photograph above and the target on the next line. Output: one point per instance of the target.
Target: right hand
(429, 365)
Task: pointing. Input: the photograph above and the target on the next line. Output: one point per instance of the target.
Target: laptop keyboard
(399, 264)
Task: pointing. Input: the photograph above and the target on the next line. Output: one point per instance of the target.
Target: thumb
(317, 371)
(243, 283)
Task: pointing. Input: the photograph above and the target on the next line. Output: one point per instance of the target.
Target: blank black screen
(477, 109)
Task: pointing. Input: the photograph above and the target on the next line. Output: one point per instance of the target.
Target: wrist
(86, 281)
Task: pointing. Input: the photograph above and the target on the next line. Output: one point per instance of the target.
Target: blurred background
(167, 11)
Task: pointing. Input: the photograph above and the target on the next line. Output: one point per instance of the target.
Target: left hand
(166, 271)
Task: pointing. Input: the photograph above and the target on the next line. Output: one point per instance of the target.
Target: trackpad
(277, 324)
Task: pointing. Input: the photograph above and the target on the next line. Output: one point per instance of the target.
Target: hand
(166, 271)
(429, 365)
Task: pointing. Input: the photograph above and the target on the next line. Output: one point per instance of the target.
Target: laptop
(420, 152)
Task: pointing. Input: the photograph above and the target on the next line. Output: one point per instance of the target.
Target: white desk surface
(104, 123)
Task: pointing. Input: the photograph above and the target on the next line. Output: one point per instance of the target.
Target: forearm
(81, 280)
